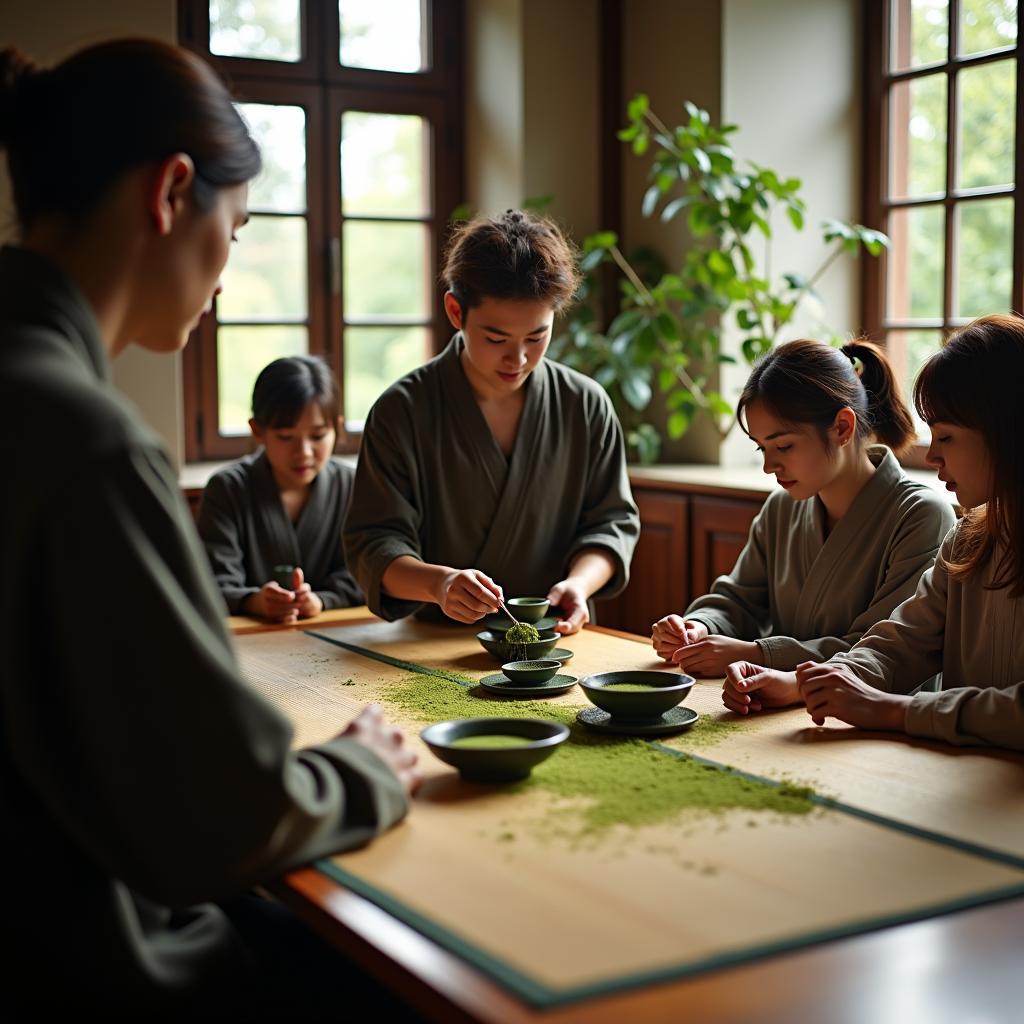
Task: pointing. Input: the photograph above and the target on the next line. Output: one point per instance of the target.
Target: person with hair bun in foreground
(144, 785)
(843, 541)
(966, 619)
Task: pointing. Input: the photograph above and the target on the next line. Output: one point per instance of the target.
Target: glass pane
(386, 269)
(241, 353)
(984, 251)
(374, 358)
(909, 351)
(920, 33)
(916, 263)
(386, 35)
(987, 25)
(988, 99)
(266, 29)
(917, 137)
(280, 132)
(265, 279)
(382, 164)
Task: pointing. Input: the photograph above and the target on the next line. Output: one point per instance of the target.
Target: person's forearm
(592, 569)
(409, 579)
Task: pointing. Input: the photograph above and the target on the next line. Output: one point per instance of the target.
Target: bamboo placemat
(479, 870)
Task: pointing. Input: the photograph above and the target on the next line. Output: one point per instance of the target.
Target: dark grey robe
(432, 482)
(140, 776)
(246, 532)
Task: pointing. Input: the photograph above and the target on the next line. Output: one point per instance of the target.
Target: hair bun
(15, 70)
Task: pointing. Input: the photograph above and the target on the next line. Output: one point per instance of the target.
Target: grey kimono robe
(243, 525)
(140, 776)
(802, 596)
(973, 636)
(433, 483)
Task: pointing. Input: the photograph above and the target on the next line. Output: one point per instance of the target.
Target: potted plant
(667, 334)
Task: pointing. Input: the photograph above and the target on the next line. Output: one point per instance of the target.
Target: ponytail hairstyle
(286, 386)
(809, 382)
(73, 131)
(515, 256)
(974, 381)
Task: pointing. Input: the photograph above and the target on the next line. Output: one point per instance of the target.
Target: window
(355, 105)
(945, 160)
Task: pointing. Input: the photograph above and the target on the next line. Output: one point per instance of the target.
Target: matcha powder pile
(611, 782)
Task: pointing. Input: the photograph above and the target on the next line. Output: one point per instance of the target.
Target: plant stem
(623, 265)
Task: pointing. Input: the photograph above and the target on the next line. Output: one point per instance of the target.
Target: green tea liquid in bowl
(493, 741)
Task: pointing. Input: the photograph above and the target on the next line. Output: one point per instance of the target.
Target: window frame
(324, 89)
(878, 81)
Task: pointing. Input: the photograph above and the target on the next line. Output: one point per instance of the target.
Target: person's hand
(388, 743)
(672, 632)
(749, 688)
(467, 595)
(306, 602)
(272, 602)
(570, 597)
(834, 691)
(709, 658)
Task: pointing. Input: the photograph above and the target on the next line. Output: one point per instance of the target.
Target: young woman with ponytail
(967, 618)
(843, 542)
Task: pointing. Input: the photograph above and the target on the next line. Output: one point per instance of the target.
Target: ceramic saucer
(562, 654)
(500, 683)
(672, 721)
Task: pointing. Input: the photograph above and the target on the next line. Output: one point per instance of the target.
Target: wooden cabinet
(687, 539)
(718, 532)
(659, 570)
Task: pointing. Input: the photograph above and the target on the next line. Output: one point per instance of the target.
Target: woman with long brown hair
(846, 537)
(967, 618)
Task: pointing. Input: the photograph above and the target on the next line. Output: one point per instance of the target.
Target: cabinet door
(658, 577)
(719, 528)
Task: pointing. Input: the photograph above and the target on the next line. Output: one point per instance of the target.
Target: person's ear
(257, 430)
(168, 191)
(454, 310)
(845, 426)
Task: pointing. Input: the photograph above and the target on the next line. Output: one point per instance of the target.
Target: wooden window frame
(324, 89)
(878, 81)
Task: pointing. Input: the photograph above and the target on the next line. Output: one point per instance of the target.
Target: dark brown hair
(974, 381)
(809, 382)
(515, 256)
(71, 132)
(286, 386)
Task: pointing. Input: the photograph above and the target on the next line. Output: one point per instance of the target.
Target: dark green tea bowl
(494, 749)
(636, 695)
(528, 609)
(530, 671)
(494, 643)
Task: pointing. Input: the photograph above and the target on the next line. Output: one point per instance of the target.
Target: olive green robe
(246, 532)
(433, 483)
(971, 634)
(140, 776)
(804, 596)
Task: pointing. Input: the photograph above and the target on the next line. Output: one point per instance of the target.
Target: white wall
(791, 73)
(48, 31)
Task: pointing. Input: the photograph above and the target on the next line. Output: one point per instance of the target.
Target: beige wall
(790, 80)
(532, 107)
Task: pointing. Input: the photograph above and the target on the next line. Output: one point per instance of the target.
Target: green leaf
(668, 326)
(672, 208)
(605, 376)
(462, 212)
(592, 260)
(628, 134)
(746, 319)
(638, 106)
(678, 424)
(719, 263)
(636, 391)
(627, 322)
(666, 378)
(703, 160)
(754, 348)
(795, 217)
(651, 197)
(719, 406)
(600, 240)
(692, 109)
(796, 281)
(640, 144)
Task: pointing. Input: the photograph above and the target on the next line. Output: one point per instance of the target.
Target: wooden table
(948, 815)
